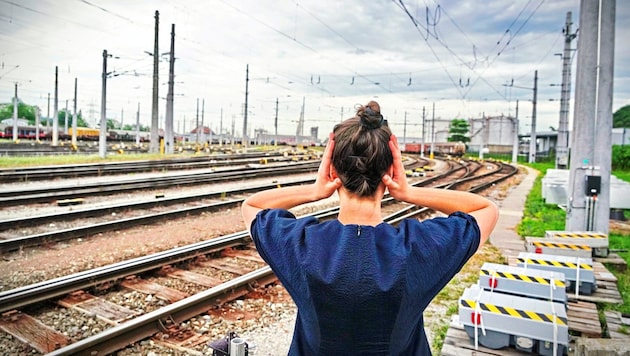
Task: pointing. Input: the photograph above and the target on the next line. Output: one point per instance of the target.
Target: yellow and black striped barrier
(516, 313)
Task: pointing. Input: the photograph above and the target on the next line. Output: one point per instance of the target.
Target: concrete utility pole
(245, 140)
(15, 115)
(588, 208)
(168, 125)
(532, 143)
(55, 133)
(102, 138)
(562, 148)
(154, 147)
(603, 128)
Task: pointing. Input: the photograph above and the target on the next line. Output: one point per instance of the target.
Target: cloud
(332, 54)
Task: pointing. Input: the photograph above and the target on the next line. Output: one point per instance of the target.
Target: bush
(620, 157)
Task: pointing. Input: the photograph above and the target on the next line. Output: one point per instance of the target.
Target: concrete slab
(511, 208)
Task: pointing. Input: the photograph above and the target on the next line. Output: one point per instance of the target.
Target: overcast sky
(460, 55)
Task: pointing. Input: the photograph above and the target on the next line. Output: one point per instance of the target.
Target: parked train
(83, 134)
(456, 149)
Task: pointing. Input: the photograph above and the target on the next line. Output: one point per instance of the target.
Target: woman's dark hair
(361, 155)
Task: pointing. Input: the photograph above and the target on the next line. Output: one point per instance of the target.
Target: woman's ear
(333, 172)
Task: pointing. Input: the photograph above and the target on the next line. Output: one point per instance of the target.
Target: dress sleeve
(279, 239)
(440, 248)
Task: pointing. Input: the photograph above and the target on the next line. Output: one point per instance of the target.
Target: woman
(361, 285)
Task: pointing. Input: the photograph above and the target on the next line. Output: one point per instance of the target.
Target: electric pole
(15, 114)
(245, 139)
(432, 132)
(562, 148)
(155, 139)
(75, 117)
(275, 125)
(55, 133)
(423, 131)
(168, 125)
(588, 201)
(532, 143)
(102, 138)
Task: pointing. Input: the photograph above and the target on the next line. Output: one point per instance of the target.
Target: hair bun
(370, 116)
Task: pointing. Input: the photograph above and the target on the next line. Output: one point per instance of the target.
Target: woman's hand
(326, 182)
(396, 180)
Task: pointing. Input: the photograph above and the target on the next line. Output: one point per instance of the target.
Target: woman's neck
(359, 210)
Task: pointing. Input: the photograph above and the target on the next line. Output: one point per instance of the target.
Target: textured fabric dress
(361, 290)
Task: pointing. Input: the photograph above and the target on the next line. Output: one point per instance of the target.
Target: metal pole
(432, 132)
(168, 125)
(55, 133)
(155, 139)
(197, 122)
(423, 131)
(532, 143)
(515, 143)
(275, 125)
(138, 126)
(75, 117)
(15, 114)
(603, 130)
(245, 139)
(221, 129)
(102, 139)
(562, 149)
(582, 150)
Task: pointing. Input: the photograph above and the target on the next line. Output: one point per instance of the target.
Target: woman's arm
(447, 201)
(288, 197)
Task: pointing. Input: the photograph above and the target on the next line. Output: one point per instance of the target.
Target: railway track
(24, 174)
(42, 229)
(166, 320)
(12, 197)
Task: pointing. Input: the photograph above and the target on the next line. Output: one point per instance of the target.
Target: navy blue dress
(361, 290)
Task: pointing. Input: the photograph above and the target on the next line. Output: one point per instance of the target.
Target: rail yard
(164, 265)
(152, 257)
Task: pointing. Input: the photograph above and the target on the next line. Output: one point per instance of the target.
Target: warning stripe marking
(555, 263)
(516, 313)
(582, 235)
(561, 245)
(522, 277)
